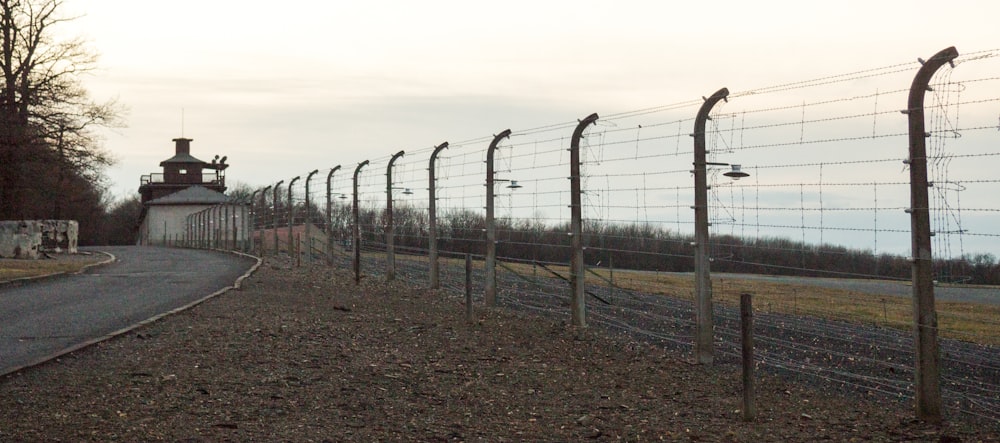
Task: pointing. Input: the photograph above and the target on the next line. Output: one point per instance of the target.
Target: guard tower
(186, 185)
(183, 171)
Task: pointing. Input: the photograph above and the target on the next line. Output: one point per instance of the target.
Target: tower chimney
(183, 145)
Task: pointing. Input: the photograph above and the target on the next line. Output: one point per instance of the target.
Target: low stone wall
(26, 239)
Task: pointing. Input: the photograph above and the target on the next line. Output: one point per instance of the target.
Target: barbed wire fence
(824, 199)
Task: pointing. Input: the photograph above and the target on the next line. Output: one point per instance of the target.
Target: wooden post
(611, 269)
(746, 332)
(298, 250)
(469, 316)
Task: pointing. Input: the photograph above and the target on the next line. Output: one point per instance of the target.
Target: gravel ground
(302, 354)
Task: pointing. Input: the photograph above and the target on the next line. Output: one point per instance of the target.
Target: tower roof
(182, 158)
(194, 195)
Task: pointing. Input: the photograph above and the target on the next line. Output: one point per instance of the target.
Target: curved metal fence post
(274, 214)
(356, 213)
(927, 372)
(308, 218)
(329, 216)
(577, 275)
(704, 322)
(263, 208)
(390, 252)
(490, 297)
(226, 213)
(432, 246)
(202, 228)
(291, 217)
(251, 223)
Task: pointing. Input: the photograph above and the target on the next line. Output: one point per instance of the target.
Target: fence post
(469, 315)
(308, 218)
(274, 214)
(490, 298)
(218, 219)
(390, 252)
(202, 228)
(220, 230)
(206, 228)
(356, 241)
(224, 213)
(198, 229)
(703, 280)
(251, 222)
(927, 373)
(746, 332)
(432, 246)
(211, 227)
(329, 216)
(263, 204)
(577, 274)
(230, 224)
(296, 246)
(291, 216)
(611, 268)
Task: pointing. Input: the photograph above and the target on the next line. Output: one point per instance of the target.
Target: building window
(183, 171)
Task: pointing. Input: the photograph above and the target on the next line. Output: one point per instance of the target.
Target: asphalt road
(45, 318)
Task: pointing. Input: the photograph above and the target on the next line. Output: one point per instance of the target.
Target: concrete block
(26, 239)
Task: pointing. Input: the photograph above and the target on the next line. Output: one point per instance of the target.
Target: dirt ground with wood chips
(302, 354)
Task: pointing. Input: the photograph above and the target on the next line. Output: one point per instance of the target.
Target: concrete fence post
(291, 216)
(577, 273)
(432, 239)
(490, 296)
(704, 322)
(328, 223)
(356, 215)
(251, 222)
(390, 252)
(927, 371)
(274, 215)
(263, 222)
(308, 221)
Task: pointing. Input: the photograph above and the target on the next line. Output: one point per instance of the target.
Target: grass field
(971, 322)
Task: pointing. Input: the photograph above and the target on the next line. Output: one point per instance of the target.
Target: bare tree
(47, 144)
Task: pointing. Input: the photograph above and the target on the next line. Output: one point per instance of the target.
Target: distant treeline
(641, 247)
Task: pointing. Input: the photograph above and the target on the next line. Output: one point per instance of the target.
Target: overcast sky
(281, 87)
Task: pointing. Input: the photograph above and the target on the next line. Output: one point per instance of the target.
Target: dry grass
(963, 321)
(11, 269)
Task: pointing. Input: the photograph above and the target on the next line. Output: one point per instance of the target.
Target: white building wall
(168, 225)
